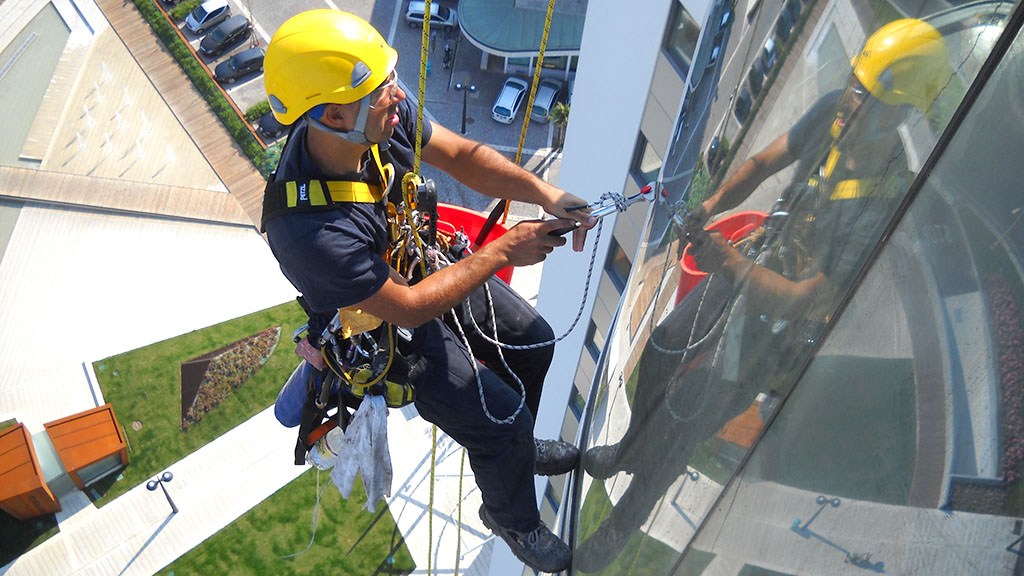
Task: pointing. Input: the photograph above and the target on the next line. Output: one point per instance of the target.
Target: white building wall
(611, 89)
(614, 85)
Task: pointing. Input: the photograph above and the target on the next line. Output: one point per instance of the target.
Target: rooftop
(510, 29)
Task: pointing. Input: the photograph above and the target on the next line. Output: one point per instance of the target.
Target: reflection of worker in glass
(706, 362)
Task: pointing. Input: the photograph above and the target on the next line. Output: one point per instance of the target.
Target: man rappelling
(332, 222)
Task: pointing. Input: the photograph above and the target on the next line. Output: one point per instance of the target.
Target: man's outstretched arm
(485, 170)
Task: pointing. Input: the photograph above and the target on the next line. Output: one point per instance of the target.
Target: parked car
(793, 7)
(726, 21)
(768, 55)
(755, 77)
(442, 16)
(225, 35)
(547, 95)
(784, 25)
(742, 107)
(239, 65)
(269, 126)
(506, 107)
(711, 157)
(716, 51)
(207, 15)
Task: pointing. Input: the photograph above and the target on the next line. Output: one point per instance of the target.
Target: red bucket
(733, 227)
(454, 218)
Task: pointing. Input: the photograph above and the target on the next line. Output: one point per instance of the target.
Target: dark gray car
(239, 65)
(226, 35)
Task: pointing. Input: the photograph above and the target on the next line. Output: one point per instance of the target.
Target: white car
(547, 95)
(207, 15)
(506, 107)
(440, 16)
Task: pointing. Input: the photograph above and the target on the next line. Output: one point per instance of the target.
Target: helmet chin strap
(358, 134)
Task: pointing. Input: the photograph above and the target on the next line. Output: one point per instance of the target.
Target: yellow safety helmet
(323, 57)
(904, 62)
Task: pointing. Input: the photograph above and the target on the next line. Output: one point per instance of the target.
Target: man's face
(383, 114)
(862, 117)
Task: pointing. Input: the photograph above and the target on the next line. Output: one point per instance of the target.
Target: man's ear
(334, 116)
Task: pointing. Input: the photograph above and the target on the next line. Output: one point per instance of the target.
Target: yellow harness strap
(848, 189)
(339, 191)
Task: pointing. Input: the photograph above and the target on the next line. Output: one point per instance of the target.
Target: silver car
(207, 15)
(440, 16)
(547, 95)
(509, 100)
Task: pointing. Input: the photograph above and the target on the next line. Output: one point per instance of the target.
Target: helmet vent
(360, 74)
(886, 79)
(276, 105)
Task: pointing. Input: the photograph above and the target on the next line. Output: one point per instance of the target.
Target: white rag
(364, 450)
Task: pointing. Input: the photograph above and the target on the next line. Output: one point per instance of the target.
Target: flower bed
(1009, 340)
(227, 369)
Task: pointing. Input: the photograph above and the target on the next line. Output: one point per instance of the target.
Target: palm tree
(560, 118)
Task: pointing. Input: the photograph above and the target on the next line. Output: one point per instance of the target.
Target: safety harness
(355, 354)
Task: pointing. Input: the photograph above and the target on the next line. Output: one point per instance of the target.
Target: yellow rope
(424, 56)
(418, 147)
(533, 92)
(430, 515)
(458, 532)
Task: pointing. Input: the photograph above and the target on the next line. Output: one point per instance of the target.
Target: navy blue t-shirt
(841, 232)
(335, 258)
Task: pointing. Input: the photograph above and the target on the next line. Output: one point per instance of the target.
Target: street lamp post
(466, 91)
(164, 478)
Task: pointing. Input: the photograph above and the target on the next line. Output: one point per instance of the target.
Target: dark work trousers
(447, 394)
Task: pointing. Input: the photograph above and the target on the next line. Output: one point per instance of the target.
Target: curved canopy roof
(509, 28)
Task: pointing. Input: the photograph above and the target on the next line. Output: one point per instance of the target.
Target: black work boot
(539, 549)
(555, 457)
(603, 461)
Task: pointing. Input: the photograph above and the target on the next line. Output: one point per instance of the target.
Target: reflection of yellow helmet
(323, 57)
(904, 62)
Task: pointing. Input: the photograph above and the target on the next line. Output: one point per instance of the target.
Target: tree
(560, 118)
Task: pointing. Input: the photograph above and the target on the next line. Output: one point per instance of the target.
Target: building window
(617, 265)
(681, 38)
(646, 162)
(594, 341)
(577, 403)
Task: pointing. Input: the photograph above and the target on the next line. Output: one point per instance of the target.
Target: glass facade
(831, 380)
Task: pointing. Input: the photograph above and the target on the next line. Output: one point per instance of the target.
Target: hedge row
(207, 87)
(182, 9)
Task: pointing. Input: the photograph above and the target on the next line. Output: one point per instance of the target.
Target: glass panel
(802, 194)
(617, 265)
(681, 37)
(899, 450)
(646, 162)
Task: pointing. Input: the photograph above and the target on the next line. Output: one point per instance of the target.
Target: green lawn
(640, 556)
(144, 386)
(348, 540)
(849, 429)
(17, 536)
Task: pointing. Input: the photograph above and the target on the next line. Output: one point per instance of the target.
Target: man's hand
(559, 209)
(530, 241)
(715, 255)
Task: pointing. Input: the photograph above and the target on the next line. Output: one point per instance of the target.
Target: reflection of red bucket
(733, 227)
(454, 218)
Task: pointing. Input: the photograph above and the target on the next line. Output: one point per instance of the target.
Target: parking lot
(247, 90)
(443, 102)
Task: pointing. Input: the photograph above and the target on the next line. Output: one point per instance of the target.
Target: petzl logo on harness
(303, 193)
